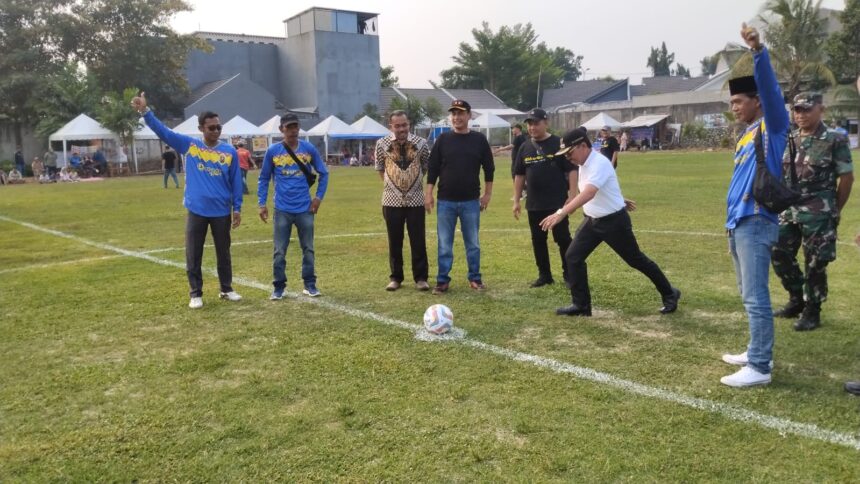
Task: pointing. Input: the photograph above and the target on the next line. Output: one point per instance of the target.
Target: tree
(411, 105)
(680, 70)
(510, 63)
(709, 64)
(843, 47)
(370, 110)
(433, 110)
(29, 56)
(660, 61)
(132, 44)
(795, 34)
(388, 78)
(116, 114)
(62, 96)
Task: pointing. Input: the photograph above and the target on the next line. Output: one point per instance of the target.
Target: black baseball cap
(536, 114)
(289, 119)
(571, 139)
(460, 105)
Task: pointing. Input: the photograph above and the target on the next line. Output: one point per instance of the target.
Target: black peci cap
(743, 85)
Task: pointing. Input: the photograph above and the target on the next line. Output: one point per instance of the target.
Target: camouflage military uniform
(821, 159)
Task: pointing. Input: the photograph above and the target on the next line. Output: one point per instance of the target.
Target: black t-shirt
(610, 147)
(169, 158)
(456, 161)
(518, 141)
(546, 175)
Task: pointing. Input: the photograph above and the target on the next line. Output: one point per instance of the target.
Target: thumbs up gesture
(751, 36)
(139, 102)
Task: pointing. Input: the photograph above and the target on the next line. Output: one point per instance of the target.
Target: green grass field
(106, 375)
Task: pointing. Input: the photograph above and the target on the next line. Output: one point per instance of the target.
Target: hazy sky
(419, 38)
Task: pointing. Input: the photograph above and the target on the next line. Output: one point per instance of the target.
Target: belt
(613, 214)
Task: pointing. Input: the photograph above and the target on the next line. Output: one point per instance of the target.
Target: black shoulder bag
(768, 190)
(310, 176)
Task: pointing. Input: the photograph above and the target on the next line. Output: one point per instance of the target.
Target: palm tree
(795, 34)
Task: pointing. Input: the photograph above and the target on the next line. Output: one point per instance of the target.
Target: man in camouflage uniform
(824, 175)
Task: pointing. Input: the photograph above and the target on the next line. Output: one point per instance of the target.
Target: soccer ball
(438, 319)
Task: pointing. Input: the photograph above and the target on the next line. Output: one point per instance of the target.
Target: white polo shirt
(598, 172)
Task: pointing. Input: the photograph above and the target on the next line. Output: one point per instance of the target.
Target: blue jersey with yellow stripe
(292, 193)
(774, 129)
(213, 181)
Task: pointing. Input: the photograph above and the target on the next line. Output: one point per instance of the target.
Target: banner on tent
(259, 143)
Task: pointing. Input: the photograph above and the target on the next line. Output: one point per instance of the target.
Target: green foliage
(795, 34)
(116, 114)
(370, 110)
(62, 96)
(695, 130)
(708, 64)
(510, 63)
(433, 109)
(118, 43)
(681, 70)
(388, 78)
(843, 47)
(660, 61)
(416, 111)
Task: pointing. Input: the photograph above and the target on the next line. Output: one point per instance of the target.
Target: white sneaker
(195, 303)
(230, 296)
(740, 360)
(745, 377)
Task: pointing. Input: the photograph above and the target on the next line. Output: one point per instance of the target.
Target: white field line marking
(740, 414)
(61, 263)
(380, 234)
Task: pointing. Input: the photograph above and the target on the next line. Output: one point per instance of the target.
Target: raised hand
(750, 36)
(139, 102)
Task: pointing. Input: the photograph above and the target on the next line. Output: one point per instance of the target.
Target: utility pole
(537, 97)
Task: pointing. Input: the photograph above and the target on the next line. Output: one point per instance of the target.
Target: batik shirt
(404, 166)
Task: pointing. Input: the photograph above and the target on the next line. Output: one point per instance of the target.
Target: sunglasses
(214, 127)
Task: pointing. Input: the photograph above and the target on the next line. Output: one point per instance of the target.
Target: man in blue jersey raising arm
(213, 196)
(757, 101)
(290, 163)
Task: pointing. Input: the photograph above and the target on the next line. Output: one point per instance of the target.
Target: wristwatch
(560, 212)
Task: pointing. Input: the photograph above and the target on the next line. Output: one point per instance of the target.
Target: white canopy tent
(270, 128)
(600, 120)
(82, 127)
(332, 127)
(368, 128)
(144, 132)
(645, 121)
(487, 121)
(240, 127)
(189, 127)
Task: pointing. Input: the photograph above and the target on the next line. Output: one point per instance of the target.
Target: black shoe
(853, 387)
(574, 310)
(670, 302)
(810, 319)
(542, 281)
(792, 309)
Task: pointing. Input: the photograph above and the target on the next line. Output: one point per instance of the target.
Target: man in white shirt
(606, 220)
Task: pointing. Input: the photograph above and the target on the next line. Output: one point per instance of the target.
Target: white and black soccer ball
(438, 319)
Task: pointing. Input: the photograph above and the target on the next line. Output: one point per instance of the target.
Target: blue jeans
(469, 213)
(283, 227)
(750, 244)
(171, 173)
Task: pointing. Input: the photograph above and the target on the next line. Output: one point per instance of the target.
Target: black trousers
(413, 219)
(617, 231)
(561, 236)
(195, 237)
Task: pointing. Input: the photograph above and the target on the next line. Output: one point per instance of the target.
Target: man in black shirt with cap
(552, 183)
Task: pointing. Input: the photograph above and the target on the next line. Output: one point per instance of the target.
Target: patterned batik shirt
(821, 159)
(404, 166)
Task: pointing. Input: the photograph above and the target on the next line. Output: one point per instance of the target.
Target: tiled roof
(576, 92)
(477, 98)
(667, 84)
